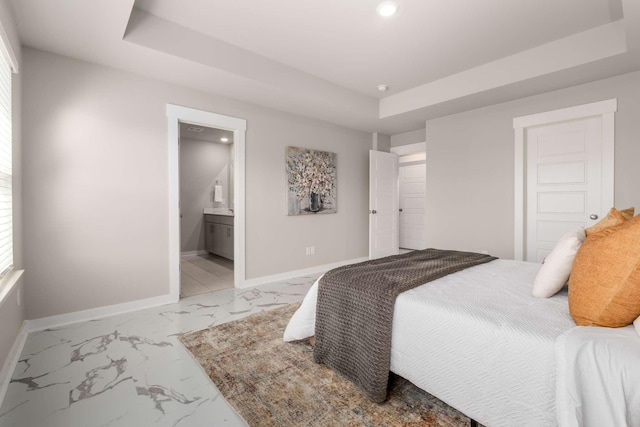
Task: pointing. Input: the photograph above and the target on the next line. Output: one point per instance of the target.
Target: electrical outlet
(313, 250)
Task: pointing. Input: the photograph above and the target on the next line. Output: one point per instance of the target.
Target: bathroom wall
(202, 163)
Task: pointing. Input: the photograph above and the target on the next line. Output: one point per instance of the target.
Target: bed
(480, 342)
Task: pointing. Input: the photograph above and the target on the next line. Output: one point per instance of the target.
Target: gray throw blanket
(355, 311)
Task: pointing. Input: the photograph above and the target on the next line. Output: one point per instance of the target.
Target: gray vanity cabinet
(208, 235)
(218, 235)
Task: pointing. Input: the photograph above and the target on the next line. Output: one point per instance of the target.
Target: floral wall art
(311, 181)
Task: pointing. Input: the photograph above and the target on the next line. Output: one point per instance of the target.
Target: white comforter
(479, 341)
(598, 381)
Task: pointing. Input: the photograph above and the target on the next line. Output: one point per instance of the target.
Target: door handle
(373, 212)
(400, 209)
(593, 216)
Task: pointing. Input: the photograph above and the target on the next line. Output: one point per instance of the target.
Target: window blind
(6, 203)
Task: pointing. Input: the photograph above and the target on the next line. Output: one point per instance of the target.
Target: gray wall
(381, 142)
(96, 197)
(470, 164)
(408, 138)
(11, 314)
(95, 180)
(201, 164)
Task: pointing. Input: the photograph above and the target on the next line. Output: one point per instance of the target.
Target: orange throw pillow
(613, 218)
(604, 287)
(628, 213)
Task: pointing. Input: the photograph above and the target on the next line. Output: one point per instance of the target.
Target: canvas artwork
(311, 181)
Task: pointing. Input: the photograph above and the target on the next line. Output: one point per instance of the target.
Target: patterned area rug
(273, 383)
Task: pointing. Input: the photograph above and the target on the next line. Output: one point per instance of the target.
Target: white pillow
(636, 323)
(555, 271)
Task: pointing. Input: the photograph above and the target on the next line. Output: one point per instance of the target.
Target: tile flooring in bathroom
(204, 273)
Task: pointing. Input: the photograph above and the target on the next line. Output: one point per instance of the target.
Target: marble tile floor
(130, 369)
(200, 274)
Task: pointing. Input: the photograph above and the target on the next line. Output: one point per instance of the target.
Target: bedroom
(91, 131)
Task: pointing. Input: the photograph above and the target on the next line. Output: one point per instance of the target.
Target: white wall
(12, 314)
(470, 164)
(95, 179)
(201, 164)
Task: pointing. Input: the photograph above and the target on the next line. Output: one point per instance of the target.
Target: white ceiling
(206, 134)
(324, 58)
(348, 43)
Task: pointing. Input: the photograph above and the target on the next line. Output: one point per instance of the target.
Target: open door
(383, 204)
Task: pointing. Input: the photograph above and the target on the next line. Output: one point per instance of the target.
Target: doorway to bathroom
(226, 211)
(206, 209)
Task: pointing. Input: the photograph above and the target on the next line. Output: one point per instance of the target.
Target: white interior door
(383, 204)
(412, 183)
(564, 185)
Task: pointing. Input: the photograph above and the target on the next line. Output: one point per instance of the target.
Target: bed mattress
(477, 340)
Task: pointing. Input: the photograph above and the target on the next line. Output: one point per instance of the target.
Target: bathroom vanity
(218, 234)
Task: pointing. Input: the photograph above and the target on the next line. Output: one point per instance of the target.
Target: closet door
(413, 182)
(564, 182)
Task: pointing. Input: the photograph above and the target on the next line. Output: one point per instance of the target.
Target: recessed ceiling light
(194, 129)
(224, 139)
(383, 88)
(387, 8)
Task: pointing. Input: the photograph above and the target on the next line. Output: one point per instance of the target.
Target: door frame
(177, 114)
(408, 149)
(604, 109)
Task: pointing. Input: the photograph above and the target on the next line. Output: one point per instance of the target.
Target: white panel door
(383, 204)
(564, 182)
(412, 206)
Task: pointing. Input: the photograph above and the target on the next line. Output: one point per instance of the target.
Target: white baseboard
(12, 360)
(111, 310)
(296, 273)
(97, 313)
(127, 307)
(190, 253)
